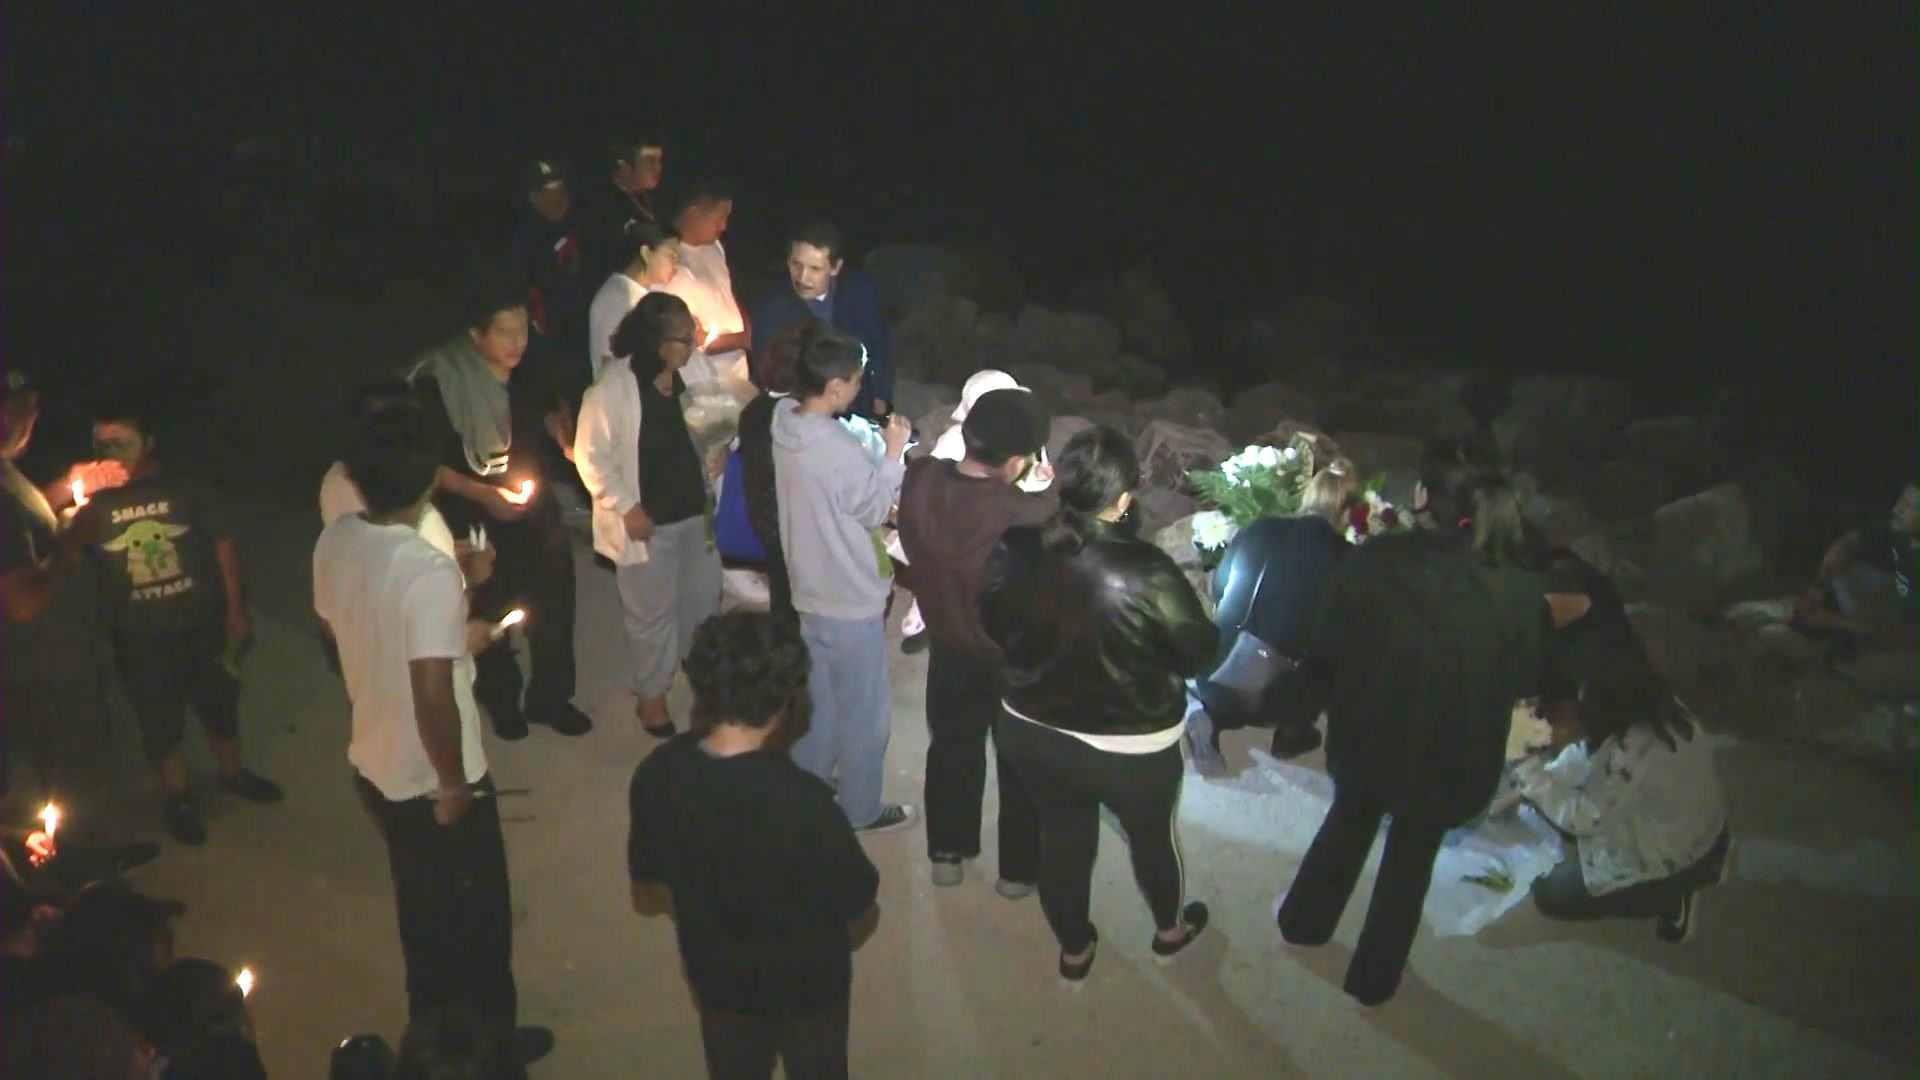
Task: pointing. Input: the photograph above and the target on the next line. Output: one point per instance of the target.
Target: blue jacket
(856, 311)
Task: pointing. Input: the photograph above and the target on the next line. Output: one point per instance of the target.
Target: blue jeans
(852, 710)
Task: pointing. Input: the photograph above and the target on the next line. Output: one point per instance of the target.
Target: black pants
(1562, 893)
(455, 913)
(963, 701)
(533, 570)
(165, 674)
(1069, 782)
(1327, 876)
(741, 1047)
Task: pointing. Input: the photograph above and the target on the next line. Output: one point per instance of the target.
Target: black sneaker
(564, 720)
(509, 722)
(530, 1044)
(915, 644)
(893, 816)
(1676, 928)
(1075, 974)
(184, 821)
(1194, 918)
(252, 787)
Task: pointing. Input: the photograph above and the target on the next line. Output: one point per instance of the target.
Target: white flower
(1268, 457)
(1230, 469)
(1212, 529)
(1290, 453)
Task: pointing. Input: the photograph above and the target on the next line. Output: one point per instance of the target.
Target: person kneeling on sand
(762, 872)
(1863, 598)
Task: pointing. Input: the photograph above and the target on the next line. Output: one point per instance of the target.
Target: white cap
(980, 384)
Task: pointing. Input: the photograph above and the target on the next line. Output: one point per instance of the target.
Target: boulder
(1158, 508)
(1177, 541)
(1059, 388)
(1185, 406)
(1063, 429)
(932, 424)
(1070, 340)
(1556, 422)
(1618, 490)
(1689, 450)
(904, 274)
(1398, 456)
(911, 397)
(1112, 409)
(936, 338)
(1709, 537)
(1149, 325)
(1561, 519)
(1168, 452)
(1687, 651)
(1259, 409)
(1133, 376)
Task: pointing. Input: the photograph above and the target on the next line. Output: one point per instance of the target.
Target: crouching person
(761, 869)
(1636, 790)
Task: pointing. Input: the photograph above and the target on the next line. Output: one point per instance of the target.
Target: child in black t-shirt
(178, 614)
(765, 875)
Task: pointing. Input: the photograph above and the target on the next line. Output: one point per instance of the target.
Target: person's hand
(898, 430)
(700, 333)
(40, 848)
(97, 476)
(476, 563)
(717, 461)
(450, 804)
(239, 627)
(882, 407)
(501, 508)
(639, 525)
(82, 530)
(1042, 474)
(1567, 607)
(479, 636)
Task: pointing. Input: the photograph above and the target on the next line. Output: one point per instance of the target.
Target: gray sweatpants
(852, 710)
(665, 599)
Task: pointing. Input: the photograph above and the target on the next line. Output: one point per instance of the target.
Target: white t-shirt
(617, 296)
(391, 598)
(704, 282)
(339, 497)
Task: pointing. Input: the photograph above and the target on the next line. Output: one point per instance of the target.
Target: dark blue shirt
(852, 306)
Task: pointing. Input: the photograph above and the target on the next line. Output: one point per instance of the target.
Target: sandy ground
(1804, 965)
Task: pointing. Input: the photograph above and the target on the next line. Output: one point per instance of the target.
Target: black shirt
(157, 537)
(1880, 546)
(65, 640)
(765, 872)
(672, 485)
(1269, 581)
(532, 393)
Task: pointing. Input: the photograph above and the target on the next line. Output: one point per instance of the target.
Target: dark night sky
(1725, 194)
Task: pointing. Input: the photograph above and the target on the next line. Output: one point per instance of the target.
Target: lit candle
(520, 497)
(79, 493)
(244, 981)
(50, 818)
(712, 333)
(512, 619)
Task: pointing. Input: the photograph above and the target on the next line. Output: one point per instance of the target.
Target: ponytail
(1093, 471)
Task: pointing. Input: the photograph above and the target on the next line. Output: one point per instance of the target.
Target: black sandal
(1194, 918)
(1077, 973)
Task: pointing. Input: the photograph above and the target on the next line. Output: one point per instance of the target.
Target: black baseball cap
(543, 174)
(1010, 423)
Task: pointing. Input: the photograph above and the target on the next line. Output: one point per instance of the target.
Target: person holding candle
(53, 682)
(492, 414)
(819, 286)
(703, 280)
(178, 600)
(397, 608)
(834, 496)
(650, 497)
(761, 870)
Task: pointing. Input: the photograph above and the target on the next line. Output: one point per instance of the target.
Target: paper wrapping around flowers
(1528, 731)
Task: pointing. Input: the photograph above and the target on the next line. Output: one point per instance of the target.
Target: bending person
(1100, 631)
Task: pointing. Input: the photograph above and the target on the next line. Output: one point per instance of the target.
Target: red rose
(1357, 517)
(1390, 517)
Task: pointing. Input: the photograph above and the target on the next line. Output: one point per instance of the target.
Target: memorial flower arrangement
(1268, 481)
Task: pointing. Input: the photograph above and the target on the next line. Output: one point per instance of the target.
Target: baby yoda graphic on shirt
(151, 556)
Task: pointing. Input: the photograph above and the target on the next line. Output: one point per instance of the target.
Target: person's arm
(94, 476)
(436, 637)
(1838, 556)
(847, 882)
(1032, 510)
(600, 446)
(646, 862)
(231, 579)
(27, 587)
(1189, 632)
(869, 489)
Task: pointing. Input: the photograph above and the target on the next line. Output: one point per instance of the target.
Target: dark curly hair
(644, 330)
(745, 667)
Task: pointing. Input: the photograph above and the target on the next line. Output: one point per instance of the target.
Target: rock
(936, 338)
(1558, 421)
(1052, 384)
(1177, 541)
(1149, 325)
(1168, 452)
(1259, 409)
(1417, 417)
(1618, 490)
(1063, 429)
(1560, 518)
(934, 423)
(1685, 650)
(911, 397)
(904, 274)
(1188, 408)
(1709, 537)
(1157, 508)
(1135, 377)
(1070, 340)
(1398, 456)
(1689, 450)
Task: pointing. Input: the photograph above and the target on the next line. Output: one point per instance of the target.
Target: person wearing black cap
(547, 258)
(617, 207)
(54, 678)
(952, 513)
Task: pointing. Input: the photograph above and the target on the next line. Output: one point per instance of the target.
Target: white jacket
(606, 451)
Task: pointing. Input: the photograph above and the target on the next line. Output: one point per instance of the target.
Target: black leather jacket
(1100, 642)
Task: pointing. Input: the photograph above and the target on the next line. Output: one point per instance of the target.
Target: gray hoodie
(834, 496)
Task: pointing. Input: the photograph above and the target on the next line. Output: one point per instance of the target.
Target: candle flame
(50, 817)
(79, 493)
(513, 618)
(520, 497)
(244, 981)
(712, 333)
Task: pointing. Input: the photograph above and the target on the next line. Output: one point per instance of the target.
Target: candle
(79, 493)
(520, 497)
(512, 619)
(244, 981)
(712, 333)
(50, 818)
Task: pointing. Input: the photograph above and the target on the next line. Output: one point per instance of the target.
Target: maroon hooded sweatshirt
(949, 524)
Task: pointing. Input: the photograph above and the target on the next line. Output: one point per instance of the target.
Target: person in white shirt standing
(705, 283)
(397, 608)
(650, 265)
